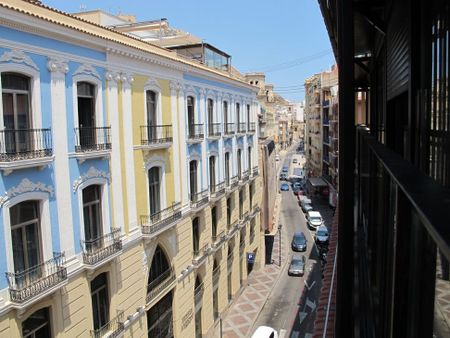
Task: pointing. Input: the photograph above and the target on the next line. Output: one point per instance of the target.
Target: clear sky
(286, 39)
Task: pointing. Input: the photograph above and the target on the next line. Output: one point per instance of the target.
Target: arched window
(196, 236)
(159, 269)
(154, 192)
(150, 99)
(86, 115)
(37, 325)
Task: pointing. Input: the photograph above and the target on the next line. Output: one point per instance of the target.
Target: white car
(314, 219)
(265, 332)
(321, 235)
(277, 157)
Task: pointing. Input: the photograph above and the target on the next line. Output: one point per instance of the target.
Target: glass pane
(18, 253)
(15, 81)
(8, 110)
(32, 237)
(23, 112)
(39, 319)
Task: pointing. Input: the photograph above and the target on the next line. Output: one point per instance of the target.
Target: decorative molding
(86, 69)
(18, 56)
(151, 82)
(90, 174)
(113, 76)
(202, 92)
(127, 78)
(25, 186)
(57, 65)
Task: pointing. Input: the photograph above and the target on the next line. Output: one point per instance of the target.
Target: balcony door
(191, 115)
(154, 192)
(227, 168)
(100, 300)
(248, 117)
(196, 235)
(37, 325)
(160, 318)
(239, 163)
(249, 158)
(225, 115)
(211, 116)
(193, 179)
(16, 113)
(26, 241)
(212, 173)
(86, 115)
(151, 115)
(92, 213)
(198, 308)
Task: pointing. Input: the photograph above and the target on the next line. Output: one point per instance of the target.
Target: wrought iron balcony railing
(229, 129)
(195, 132)
(160, 220)
(217, 190)
(199, 199)
(245, 175)
(218, 239)
(251, 127)
(199, 253)
(214, 129)
(151, 135)
(241, 127)
(234, 181)
(32, 282)
(255, 171)
(159, 284)
(23, 144)
(98, 249)
(112, 329)
(198, 293)
(92, 139)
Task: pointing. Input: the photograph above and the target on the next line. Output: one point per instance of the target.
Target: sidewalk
(242, 314)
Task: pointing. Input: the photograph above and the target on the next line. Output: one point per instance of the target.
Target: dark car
(299, 242)
(285, 169)
(297, 266)
(296, 190)
(283, 176)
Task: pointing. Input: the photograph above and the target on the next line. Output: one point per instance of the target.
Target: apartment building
(129, 181)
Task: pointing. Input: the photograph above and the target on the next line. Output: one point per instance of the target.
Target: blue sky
(287, 39)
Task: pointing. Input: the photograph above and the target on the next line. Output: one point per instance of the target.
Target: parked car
(303, 202)
(265, 332)
(314, 219)
(297, 266)
(283, 176)
(299, 242)
(321, 235)
(295, 190)
(285, 169)
(284, 187)
(307, 208)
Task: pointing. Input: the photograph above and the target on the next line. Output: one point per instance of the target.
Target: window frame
(153, 85)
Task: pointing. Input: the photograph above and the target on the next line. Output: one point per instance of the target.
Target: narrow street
(290, 309)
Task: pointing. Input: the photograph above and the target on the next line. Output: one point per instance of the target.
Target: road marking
(311, 304)
(309, 287)
(302, 316)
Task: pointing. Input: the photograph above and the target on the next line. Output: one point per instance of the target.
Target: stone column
(176, 163)
(204, 171)
(181, 104)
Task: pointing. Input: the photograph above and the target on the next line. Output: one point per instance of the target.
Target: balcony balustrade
(99, 249)
(251, 127)
(217, 190)
(196, 132)
(156, 135)
(114, 328)
(161, 220)
(25, 144)
(92, 139)
(199, 255)
(241, 128)
(198, 294)
(159, 285)
(37, 280)
(255, 172)
(234, 182)
(229, 129)
(244, 176)
(199, 199)
(218, 239)
(214, 129)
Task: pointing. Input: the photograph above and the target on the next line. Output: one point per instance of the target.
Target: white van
(314, 219)
(265, 332)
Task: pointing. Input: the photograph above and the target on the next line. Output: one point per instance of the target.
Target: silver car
(297, 266)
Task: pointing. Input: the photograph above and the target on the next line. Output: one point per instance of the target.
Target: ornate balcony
(102, 249)
(25, 148)
(255, 172)
(200, 255)
(241, 128)
(244, 177)
(216, 191)
(92, 142)
(152, 225)
(218, 240)
(160, 285)
(156, 137)
(214, 130)
(114, 328)
(37, 281)
(196, 133)
(229, 129)
(234, 182)
(251, 127)
(199, 200)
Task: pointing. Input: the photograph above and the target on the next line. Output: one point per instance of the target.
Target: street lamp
(279, 242)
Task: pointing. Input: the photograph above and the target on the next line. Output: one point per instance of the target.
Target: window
(151, 114)
(214, 221)
(159, 318)
(212, 173)
(251, 192)
(86, 114)
(248, 117)
(241, 203)
(37, 325)
(198, 308)
(229, 212)
(249, 158)
(225, 114)
(227, 168)
(16, 112)
(92, 211)
(191, 115)
(193, 178)
(160, 267)
(210, 113)
(238, 113)
(196, 235)
(154, 190)
(26, 239)
(100, 301)
(239, 164)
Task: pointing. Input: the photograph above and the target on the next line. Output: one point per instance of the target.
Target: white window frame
(195, 157)
(99, 116)
(153, 85)
(161, 164)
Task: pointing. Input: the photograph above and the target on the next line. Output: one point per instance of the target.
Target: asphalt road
(290, 309)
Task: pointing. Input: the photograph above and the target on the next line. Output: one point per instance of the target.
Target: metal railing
(153, 223)
(255, 171)
(195, 132)
(214, 129)
(34, 281)
(198, 253)
(234, 181)
(241, 127)
(217, 189)
(96, 250)
(23, 144)
(199, 199)
(198, 293)
(229, 129)
(112, 329)
(156, 134)
(251, 127)
(245, 175)
(217, 239)
(159, 284)
(92, 139)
